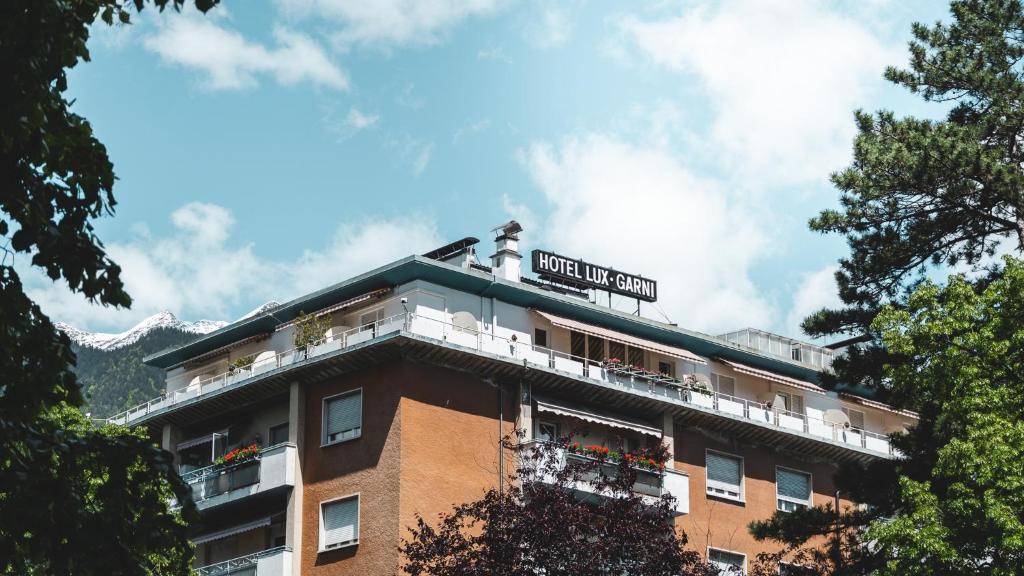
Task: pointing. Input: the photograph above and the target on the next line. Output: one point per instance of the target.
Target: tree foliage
(924, 193)
(59, 479)
(955, 503)
(538, 524)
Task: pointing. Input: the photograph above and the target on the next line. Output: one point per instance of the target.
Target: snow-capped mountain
(270, 305)
(163, 319)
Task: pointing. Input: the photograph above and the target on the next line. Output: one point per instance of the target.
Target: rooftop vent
(506, 262)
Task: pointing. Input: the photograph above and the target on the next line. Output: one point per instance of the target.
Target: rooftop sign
(551, 266)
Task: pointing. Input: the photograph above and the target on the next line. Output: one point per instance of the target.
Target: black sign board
(573, 272)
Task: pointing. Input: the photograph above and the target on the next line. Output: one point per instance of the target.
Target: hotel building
(430, 360)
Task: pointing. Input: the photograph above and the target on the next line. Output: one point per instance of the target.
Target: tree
(923, 193)
(538, 523)
(55, 178)
(955, 504)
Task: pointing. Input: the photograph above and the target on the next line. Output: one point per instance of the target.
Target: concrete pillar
(169, 439)
(668, 438)
(296, 435)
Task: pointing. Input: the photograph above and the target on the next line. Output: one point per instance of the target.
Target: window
(540, 337)
(724, 384)
(667, 368)
(725, 475)
(343, 417)
(636, 356)
(794, 403)
(278, 434)
(792, 489)
(578, 344)
(727, 562)
(339, 523)
(856, 417)
(547, 431)
(787, 569)
(595, 349)
(795, 353)
(617, 350)
(366, 321)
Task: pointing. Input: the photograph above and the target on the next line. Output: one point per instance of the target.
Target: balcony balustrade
(272, 562)
(217, 484)
(621, 376)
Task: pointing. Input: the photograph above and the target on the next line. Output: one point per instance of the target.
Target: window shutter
(726, 385)
(724, 469)
(795, 485)
(344, 417)
(856, 417)
(798, 404)
(341, 522)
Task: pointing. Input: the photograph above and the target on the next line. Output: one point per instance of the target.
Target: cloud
(637, 206)
(228, 61)
(781, 77)
(470, 128)
(551, 26)
(197, 271)
(388, 23)
(411, 150)
(357, 121)
(817, 290)
(497, 54)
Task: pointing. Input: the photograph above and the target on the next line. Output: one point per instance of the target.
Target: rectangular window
(668, 368)
(724, 475)
(595, 349)
(727, 562)
(792, 489)
(339, 523)
(617, 350)
(547, 431)
(367, 320)
(636, 356)
(540, 337)
(343, 417)
(724, 384)
(796, 354)
(578, 344)
(856, 417)
(278, 434)
(794, 403)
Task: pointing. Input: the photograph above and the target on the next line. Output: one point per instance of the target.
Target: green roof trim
(487, 285)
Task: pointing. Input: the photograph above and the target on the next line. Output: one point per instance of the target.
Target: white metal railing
(662, 387)
(242, 565)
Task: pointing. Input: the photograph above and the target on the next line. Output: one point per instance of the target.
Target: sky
(271, 148)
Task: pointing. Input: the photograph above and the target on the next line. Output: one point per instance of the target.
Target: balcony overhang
(404, 345)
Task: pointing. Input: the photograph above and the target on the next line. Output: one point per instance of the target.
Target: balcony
(650, 485)
(273, 562)
(218, 484)
(558, 363)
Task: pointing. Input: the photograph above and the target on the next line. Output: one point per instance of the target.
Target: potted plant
(239, 455)
(241, 364)
(310, 330)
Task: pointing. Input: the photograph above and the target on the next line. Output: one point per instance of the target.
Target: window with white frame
(792, 489)
(343, 417)
(724, 475)
(794, 402)
(724, 384)
(856, 417)
(339, 523)
(547, 431)
(727, 562)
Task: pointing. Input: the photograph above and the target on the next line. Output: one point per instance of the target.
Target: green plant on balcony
(310, 330)
(239, 455)
(652, 459)
(241, 363)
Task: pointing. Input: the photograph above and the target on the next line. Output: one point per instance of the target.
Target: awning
(876, 404)
(199, 360)
(342, 305)
(744, 369)
(614, 421)
(622, 338)
(220, 534)
(200, 440)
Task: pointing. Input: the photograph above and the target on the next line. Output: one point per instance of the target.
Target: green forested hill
(114, 380)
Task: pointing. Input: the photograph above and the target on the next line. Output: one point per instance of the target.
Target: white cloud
(412, 151)
(497, 54)
(470, 128)
(357, 120)
(228, 61)
(198, 272)
(639, 207)
(782, 78)
(389, 23)
(817, 290)
(550, 27)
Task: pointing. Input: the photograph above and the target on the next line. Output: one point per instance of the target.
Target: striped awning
(772, 376)
(221, 534)
(622, 338)
(562, 409)
(371, 295)
(200, 440)
(876, 404)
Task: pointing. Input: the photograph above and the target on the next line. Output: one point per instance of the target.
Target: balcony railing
(270, 469)
(272, 562)
(645, 383)
(649, 484)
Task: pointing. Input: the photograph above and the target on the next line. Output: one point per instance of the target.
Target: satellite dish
(264, 357)
(836, 418)
(701, 381)
(464, 321)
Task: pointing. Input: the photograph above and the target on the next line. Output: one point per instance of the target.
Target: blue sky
(271, 148)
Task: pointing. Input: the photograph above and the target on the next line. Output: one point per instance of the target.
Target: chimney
(507, 261)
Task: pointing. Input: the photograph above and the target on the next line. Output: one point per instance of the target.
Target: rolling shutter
(724, 469)
(795, 485)
(343, 417)
(341, 522)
